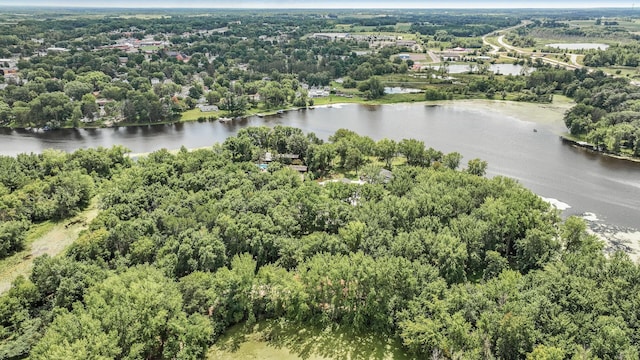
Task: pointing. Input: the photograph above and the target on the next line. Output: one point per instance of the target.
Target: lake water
(504, 69)
(580, 46)
(607, 187)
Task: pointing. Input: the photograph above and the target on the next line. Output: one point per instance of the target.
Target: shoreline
(592, 149)
(549, 115)
(615, 238)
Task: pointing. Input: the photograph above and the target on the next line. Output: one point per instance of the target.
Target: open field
(285, 341)
(195, 114)
(46, 238)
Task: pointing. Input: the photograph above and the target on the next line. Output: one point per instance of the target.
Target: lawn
(271, 340)
(195, 114)
(150, 48)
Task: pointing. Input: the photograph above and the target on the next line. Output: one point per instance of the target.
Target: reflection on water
(587, 182)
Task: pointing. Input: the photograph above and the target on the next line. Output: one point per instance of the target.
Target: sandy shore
(615, 238)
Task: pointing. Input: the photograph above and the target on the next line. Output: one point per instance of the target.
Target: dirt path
(53, 242)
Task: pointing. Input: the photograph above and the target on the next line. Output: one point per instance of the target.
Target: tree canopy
(188, 244)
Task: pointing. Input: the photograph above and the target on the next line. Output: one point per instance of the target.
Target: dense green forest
(607, 114)
(623, 55)
(454, 264)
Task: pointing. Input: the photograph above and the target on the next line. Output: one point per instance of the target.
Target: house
(57, 49)
(315, 93)
(331, 36)
(299, 168)
(406, 43)
(6, 63)
(455, 54)
(289, 157)
(102, 102)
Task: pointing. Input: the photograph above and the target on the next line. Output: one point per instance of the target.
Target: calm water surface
(608, 187)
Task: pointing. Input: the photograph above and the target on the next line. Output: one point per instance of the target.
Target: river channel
(530, 152)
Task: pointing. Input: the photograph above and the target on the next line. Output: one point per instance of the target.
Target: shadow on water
(608, 162)
(94, 133)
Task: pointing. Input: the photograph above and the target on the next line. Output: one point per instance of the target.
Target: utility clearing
(46, 238)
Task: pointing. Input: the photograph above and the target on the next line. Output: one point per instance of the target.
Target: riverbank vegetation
(444, 260)
(607, 114)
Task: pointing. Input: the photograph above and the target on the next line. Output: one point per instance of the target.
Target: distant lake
(504, 69)
(580, 46)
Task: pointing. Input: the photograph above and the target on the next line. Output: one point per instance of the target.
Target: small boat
(260, 115)
(280, 112)
(224, 119)
(535, 130)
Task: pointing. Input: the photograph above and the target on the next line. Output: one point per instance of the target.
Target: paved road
(434, 58)
(496, 49)
(542, 56)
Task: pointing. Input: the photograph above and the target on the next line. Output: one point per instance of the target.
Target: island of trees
(187, 244)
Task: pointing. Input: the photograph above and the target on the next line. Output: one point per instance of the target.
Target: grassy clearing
(195, 114)
(352, 28)
(403, 27)
(37, 231)
(621, 71)
(46, 238)
(386, 99)
(150, 48)
(285, 341)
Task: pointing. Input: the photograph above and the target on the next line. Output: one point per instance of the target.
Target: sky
(365, 4)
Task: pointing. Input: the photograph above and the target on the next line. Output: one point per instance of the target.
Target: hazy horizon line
(289, 7)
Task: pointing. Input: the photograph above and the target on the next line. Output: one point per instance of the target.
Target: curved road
(542, 56)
